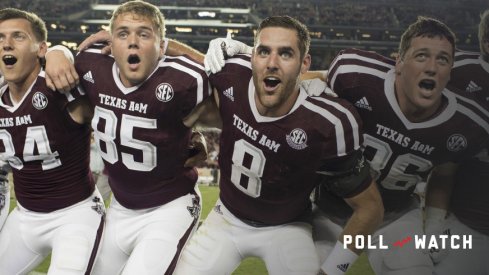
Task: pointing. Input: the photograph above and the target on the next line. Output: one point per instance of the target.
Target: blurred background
(374, 25)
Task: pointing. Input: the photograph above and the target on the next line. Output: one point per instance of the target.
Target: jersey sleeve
(352, 67)
(342, 129)
(83, 61)
(193, 82)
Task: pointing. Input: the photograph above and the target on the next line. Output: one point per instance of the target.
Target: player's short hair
(38, 26)
(425, 27)
(484, 30)
(287, 22)
(143, 9)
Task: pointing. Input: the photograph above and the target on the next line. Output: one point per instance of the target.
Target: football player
(468, 204)
(412, 124)
(140, 98)
(276, 145)
(45, 138)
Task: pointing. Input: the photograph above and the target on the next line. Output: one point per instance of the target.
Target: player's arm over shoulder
(205, 115)
(175, 48)
(349, 177)
(345, 176)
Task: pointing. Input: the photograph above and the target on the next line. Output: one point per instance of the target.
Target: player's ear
(43, 47)
(399, 64)
(306, 63)
(161, 49)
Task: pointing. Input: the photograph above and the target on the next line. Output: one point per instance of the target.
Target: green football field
(250, 266)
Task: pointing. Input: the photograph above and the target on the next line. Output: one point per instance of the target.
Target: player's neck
(418, 114)
(280, 110)
(18, 89)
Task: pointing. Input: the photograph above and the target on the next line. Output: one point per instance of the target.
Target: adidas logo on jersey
(88, 77)
(363, 103)
(229, 93)
(472, 87)
(343, 267)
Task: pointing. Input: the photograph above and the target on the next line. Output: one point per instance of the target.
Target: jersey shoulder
(94, 60)
(335, 118)
(353, 68)
(183, 63)
(356, 57)
(236, 73)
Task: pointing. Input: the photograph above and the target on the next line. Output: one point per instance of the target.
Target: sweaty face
(276, 65)
(136, 47)
(422, 74)
(19, 51)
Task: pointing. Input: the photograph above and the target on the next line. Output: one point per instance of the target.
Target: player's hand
(101, 37)
(435, 225)
(437, 255)
(315, 87)
(60, 72)
(198, 150)
(220, 49)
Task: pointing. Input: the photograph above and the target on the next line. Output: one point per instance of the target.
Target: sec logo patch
(297, 139)
(39, 101)
(164, 92)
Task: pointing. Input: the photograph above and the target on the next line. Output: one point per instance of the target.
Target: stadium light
(183, 29)
(206, 14)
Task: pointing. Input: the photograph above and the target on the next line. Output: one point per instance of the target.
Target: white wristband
(65, 51)
(339, 260)
(434, 220)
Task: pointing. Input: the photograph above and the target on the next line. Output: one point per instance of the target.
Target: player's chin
(427, 102)
(134, 77)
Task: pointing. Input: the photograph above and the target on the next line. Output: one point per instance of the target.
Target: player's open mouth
(9, 60)
(271, 82)
(427, 84)
(133, 59)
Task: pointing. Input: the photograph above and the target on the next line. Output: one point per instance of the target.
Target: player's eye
(145, 35)
(421, 56)
(443, 60)
(19, 36)
(122, 34)
(286, 54)
(263, 52)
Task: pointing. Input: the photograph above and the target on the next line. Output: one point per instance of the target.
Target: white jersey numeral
(398, 178)
(108, 136)
(253, 172)
(36, 137)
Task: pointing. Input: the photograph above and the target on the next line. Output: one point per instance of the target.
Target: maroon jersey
(469, 202)
(402, 153)
(48, 151)
(139, 130)
(268, 164)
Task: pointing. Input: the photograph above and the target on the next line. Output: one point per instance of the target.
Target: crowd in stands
(48, 8)
(332, 20)
(377, 13)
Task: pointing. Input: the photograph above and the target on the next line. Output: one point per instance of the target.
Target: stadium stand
(335, 24)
